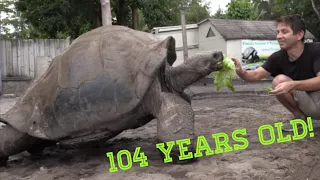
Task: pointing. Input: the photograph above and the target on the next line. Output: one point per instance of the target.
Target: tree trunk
(184, 35)
(106, 12)
(1, 61)
(315, 9)
(134, 17)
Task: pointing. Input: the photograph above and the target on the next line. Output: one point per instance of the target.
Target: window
(210, 33)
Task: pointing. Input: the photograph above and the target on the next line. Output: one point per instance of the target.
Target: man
(295, 68)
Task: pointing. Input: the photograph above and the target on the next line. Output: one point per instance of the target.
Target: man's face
(285, 36)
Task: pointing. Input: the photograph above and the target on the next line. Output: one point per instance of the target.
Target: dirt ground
(223, 113)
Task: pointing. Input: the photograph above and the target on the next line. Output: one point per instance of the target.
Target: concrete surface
(241, 88)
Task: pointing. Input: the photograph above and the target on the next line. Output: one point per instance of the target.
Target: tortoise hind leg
(13, 142)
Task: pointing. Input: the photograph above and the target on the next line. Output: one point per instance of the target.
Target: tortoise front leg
(176, 128)
(13, 142)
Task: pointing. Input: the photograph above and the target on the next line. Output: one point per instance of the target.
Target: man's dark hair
(295, 22)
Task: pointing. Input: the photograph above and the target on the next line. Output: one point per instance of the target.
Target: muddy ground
(291, 160)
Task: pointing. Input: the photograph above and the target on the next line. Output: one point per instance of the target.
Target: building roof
(173, 28)
(247, 29)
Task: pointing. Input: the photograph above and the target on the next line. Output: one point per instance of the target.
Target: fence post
(184, 35)
(1, 60)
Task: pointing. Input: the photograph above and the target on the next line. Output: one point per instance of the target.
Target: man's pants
(309, 103)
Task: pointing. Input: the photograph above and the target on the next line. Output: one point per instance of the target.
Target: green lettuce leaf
(223, 78)
(269, 89)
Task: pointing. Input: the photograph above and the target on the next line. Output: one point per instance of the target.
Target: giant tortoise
(109, 80)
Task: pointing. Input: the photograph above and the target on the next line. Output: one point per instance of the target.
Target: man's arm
(250, 75)
(312, 84)
(253, 75)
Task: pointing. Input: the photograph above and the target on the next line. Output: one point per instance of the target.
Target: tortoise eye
(215, 55)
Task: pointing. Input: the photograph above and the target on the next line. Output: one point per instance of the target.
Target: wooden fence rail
(19, 57)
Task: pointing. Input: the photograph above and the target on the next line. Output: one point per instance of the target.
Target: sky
(214, 5)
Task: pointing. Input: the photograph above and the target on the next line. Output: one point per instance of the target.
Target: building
(232, 37)
(176, 32)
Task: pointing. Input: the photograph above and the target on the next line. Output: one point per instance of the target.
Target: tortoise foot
(176, 160)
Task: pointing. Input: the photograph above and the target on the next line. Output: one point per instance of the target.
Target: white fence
(20, 58)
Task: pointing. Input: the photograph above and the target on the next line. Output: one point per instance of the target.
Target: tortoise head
(206, 62)
(193, 69)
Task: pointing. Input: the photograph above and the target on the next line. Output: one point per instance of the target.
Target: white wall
(192, 37)
(234, 49)
(192, 42)
(180, 60)
(211, 43)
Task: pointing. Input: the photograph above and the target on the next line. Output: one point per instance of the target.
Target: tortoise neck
(183, 75)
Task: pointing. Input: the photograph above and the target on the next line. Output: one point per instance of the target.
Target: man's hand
(249, 75)
(237, 64)
(283, 88)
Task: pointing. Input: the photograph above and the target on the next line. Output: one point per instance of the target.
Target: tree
(60, 18)
(305, 10)
(161, 12)
(71, 18)
(197, 12)
(106, 12)
(12, 25)
(240, 9)
(219, 14)
(249, 9)
(315, 9)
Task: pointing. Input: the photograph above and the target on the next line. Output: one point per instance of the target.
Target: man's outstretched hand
(237, 64)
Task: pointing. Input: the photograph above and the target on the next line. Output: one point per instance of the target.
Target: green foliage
(60, 18)
(71, 18)
(272, 9)
(197, 12)
(224, 77)
(11, 21)
(286, 7)
(240, 9)
(269, 89)
(160, 12)
(220, 14)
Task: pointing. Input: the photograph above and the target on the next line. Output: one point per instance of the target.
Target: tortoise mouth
(219, 64)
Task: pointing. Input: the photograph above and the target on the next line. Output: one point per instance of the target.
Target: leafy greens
(223, 78)
(269, 89)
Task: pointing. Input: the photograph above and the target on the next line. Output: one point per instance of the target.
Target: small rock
(9, 95)
(195, 176)
(2, 125)
(282, 166)
(16, 158)
(223, 159)
(25, 154)
(43, 169)
(310, 154)
(261, 165)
